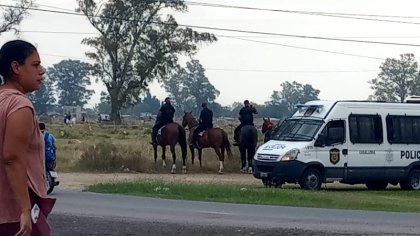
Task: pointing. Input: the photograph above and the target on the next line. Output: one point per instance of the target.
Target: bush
(104, 156)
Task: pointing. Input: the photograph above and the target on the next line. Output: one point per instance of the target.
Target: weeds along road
(82, 213)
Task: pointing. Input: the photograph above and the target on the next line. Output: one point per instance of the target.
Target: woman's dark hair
(16, 50)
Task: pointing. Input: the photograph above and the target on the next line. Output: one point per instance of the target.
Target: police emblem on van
(334, 156)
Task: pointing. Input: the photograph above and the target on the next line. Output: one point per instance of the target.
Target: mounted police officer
(165, 116)
(205, 122)
(246, 117)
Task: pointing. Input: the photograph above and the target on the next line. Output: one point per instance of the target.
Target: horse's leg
(163, 156)
(173, 170)
(155, 152)
(251, 153)
(192, 154)
(184, 164)
(219, 154)
(200, 151)
(242, 150)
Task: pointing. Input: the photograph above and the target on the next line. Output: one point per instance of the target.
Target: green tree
(190, 87)
(147, 104)
(397, 79)
(72, 77)
(139, 41)
(292, 94)
(43, 99)
(12, 16)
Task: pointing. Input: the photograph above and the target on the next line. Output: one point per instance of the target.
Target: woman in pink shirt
(23, 203)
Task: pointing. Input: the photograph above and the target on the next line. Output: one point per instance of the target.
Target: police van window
(365, 129)
(403, 129)
(336, 133)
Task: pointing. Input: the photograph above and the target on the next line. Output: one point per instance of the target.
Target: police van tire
(311, 179)
(412, 182)
(376, 185)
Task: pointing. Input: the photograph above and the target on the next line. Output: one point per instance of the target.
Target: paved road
(109, 212)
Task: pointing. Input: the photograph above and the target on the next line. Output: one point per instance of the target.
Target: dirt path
(79, 181)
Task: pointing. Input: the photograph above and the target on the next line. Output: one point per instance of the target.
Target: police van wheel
(376, 185)
(412, 182)
(311, 179)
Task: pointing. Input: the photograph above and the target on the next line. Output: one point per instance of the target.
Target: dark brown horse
(170, 135)
(267, 129)
(215, 138)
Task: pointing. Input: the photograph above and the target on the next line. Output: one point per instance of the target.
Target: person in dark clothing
(246, 117)
(165, 116)
(205, 122)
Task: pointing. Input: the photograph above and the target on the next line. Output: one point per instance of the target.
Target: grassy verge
(390, 200)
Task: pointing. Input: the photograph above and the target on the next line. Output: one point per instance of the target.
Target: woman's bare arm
(17, 137)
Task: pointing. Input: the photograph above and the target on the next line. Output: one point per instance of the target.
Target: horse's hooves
(220, 172)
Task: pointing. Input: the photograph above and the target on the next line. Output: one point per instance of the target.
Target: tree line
(140, 41)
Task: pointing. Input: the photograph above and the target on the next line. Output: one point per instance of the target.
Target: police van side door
(366, 148)
(331, 149)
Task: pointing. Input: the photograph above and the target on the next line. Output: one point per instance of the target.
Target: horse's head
(187, 119)
(267, 125)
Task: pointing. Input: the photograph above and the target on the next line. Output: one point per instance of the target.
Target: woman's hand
(25, 224)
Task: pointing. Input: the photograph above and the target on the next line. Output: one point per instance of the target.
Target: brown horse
(171, 134)
(215, 138)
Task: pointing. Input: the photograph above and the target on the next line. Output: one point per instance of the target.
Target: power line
(57, 32)
(238, 38)
(292, 71)
(245, 70)
(326, 14)
(276, 10)
(234, 30)
(304, 48)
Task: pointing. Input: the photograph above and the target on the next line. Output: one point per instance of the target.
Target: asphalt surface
(82, 213)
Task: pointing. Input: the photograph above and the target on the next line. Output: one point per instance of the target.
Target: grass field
(389, 200)
(108, 148)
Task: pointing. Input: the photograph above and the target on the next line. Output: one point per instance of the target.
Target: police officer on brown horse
(246, 117)
(205, 122)
(164, 117)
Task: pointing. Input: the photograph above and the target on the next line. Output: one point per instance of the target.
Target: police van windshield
(298, 130)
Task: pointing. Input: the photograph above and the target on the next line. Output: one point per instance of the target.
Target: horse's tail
(226, 144)
(182, 139)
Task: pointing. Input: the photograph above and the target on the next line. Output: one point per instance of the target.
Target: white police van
(353, 142)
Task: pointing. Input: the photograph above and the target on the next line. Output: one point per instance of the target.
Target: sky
(241, 68)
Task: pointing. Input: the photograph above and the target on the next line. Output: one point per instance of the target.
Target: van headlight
(290, 155)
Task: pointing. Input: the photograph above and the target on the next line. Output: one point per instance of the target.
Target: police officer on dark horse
(246, 136)
(165, 116)
(171, 133)
(246, 117)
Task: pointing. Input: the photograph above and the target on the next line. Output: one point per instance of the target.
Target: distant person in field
(246, 117)
(205, 122)
(165, 116)
(49, 143)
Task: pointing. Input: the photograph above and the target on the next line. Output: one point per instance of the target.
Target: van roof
(319, 109)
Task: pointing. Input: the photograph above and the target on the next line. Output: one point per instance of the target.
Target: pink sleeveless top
(11, 101)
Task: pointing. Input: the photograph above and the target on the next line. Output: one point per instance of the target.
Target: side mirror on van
(320, 141)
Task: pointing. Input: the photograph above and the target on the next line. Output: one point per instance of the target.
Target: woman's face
(29, 74)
